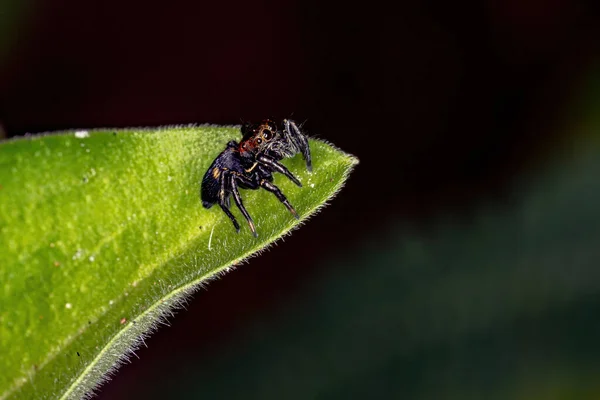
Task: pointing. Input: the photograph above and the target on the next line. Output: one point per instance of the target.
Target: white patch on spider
(81, 134)
(210, 238)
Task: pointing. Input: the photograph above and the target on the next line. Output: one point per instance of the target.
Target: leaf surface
(102, 233)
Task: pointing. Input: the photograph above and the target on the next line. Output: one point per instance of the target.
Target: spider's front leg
(276, 166)
(299, 140)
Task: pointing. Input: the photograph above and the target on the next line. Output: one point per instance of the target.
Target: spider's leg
(224, 201)
(300, 141)
(277, 192)
(277, 166)
(238, 201)
(248, 182)
(231, 217)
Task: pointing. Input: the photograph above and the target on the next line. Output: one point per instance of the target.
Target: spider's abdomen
(211, 183)
(209, 191)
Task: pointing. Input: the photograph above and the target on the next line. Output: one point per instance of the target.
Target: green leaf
(102, 234)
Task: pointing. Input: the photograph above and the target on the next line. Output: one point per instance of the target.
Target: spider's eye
(267, 134)
(259, 140)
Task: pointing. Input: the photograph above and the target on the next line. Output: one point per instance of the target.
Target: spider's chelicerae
(250, 164)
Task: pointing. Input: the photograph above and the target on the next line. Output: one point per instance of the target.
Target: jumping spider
(250, 164)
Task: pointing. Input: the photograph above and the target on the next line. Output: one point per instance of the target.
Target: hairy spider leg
(277, 192)
(293, 134)
(277, 166)
(224, 201)
(238, 201)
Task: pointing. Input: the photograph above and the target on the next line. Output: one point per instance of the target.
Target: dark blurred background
(459, 261)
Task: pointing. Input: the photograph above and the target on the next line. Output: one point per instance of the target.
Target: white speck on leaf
(169, 178)
(69, 306)
(82, 134)
(92, 258)
(78, 254)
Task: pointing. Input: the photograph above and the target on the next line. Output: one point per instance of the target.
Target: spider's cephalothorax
(250, 164)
